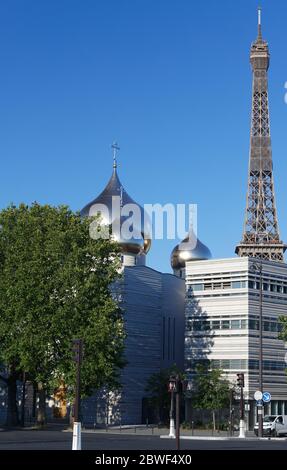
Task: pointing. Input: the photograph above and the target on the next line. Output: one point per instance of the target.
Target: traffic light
(187, 385)
(172, 384)
(240, 380)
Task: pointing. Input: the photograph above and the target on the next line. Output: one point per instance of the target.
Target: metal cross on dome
(115, 148)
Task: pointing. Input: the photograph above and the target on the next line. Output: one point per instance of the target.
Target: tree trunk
(34, 404)
(12, 418)
(41, 411)
(71, 415)
(214, 420)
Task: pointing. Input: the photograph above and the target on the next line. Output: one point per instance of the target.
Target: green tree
(211, 390)
(55, 286)
(283, 323)
(157, 388)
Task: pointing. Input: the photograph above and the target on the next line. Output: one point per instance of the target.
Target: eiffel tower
(261, 233)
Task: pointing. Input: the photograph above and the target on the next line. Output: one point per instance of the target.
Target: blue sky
(168, 79)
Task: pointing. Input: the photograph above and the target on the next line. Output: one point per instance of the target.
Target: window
(253, 364)
(251, 284)
(225, 364)
(266, 326)
(207, 286)
(233, 364)
(225, 324)
(238, 364)
(226, 285)
(205, 325)
(244, 324)
(215, 364)
(235, 324)
(236, 284)
(217, 285)
(267, 365)
(215, 325)
(253, 324)
(196, 287)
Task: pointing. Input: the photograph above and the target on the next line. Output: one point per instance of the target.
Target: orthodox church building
(153, 310)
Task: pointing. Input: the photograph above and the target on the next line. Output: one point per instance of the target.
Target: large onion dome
(190, 249)
(110, 208)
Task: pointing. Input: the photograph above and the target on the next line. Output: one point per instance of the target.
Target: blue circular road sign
(266, 397)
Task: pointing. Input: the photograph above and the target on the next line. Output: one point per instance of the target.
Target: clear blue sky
(168, 79)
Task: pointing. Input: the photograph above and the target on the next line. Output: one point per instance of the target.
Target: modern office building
(222, 324)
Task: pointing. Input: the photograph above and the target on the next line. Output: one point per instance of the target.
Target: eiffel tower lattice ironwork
(261, 237)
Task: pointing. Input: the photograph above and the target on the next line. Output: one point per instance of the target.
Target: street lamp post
(78, 350)
(257, 267)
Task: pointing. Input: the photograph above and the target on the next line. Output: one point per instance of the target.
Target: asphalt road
(58, 440)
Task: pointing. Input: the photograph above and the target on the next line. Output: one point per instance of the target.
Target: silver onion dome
(138, 244)
(190, 249)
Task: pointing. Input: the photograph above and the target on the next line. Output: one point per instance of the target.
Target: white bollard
(171, 429)
(77, 441)
(242, 428)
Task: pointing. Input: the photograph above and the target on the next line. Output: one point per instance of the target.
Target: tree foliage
(283, 332)
(157, 388)
(55, 286)
(211, 389)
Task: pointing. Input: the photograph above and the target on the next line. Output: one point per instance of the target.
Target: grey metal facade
(153, 309)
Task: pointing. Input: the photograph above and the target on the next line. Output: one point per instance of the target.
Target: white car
(273, 425)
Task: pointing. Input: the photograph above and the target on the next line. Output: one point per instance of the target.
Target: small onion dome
(190, 249)
(132, 245)
(142, 241)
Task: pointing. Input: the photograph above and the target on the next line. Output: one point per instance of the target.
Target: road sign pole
(171, 416)
(260, 420)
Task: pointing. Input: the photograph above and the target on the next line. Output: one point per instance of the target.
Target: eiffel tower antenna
(259, 38)
(261, 237)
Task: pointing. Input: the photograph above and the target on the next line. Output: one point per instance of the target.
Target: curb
(236, 438)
